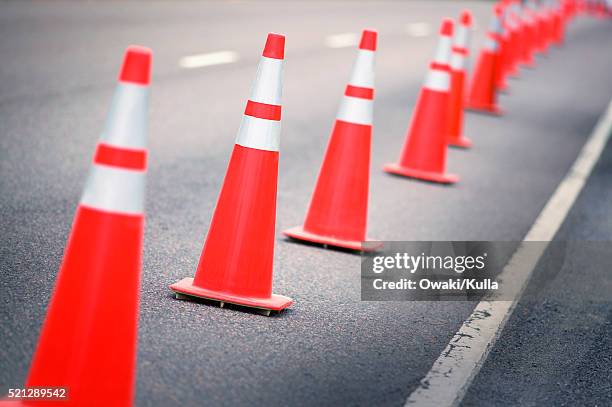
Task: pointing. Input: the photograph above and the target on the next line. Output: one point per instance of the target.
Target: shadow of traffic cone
(337, 215)
(236, 264)
(423, 155)
(460, 53)
(88, 340)
(482, 96)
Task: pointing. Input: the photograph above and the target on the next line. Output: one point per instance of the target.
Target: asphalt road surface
(58, 70)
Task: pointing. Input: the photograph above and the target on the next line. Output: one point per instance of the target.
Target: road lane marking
(342, 40)
(208, 59)
(419, 29)
(454, 370)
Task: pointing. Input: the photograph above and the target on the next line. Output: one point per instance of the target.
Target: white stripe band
(268, 84)
(437, 80)
(115, 189)
(444, 49)
(457, 62)
(461, 36)
(355, 110)
(261, 134)
(491, 44)
(363, 70)
(126, 124)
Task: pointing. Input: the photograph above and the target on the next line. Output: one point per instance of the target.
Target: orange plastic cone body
(88, 340)
(423, 155)
(236, 263)
(337, 214)
(528, 41)
(460, 53)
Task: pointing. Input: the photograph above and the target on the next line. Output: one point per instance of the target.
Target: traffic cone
(559, 23)
(530, 32)
(88, 340)
(423, 155)
(543, 31)
(511, 54)
(483, 92)
(237, 259)
(503, 54)
(460, 53)
(337, 215)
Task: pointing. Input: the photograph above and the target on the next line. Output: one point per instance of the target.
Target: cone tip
(275, 46)
(446, 28)
(466, 18)
(136, 66)
(368, 39)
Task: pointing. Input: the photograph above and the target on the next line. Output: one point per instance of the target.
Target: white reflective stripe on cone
(261, 134)
(457, 61)
(355, 110)
(268, 84)
(490, 44)
(115, 190)
(363, 71)
(126, 124)
(437, 80)
(461, 36)
(444, 49)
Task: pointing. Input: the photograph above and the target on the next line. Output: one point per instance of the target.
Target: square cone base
(494, 110)
(299, 233)
(274, 303)
(420, 174)
(461, 142)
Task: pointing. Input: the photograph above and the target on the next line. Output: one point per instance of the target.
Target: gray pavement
(57, 75)
(556, 349)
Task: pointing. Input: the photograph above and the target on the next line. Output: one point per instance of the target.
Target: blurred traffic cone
(543, 31)
(337, 215)
(559, 25)
(503, 43)
(237, 259)
(511, 54)
(460, 53)
(483, 93)
(88, 340)
(530, 33)
(423, 155)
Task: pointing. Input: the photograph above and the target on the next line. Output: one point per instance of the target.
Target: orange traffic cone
(338, 211)
(424, 153)
(503, 42)
(483, 93)
(529, 34)
(460, 53)
(87, 344)
(237, 259)
(543, 32)
(511, 54)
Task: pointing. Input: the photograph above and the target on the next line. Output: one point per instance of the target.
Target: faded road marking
(342, 40)
(209, 59)
(419, 29)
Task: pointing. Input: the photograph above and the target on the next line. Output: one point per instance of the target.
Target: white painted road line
(419, 29)
(342, 40)
(452, 373)
(209, 59)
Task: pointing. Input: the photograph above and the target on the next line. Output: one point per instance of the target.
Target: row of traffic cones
(88, 341)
